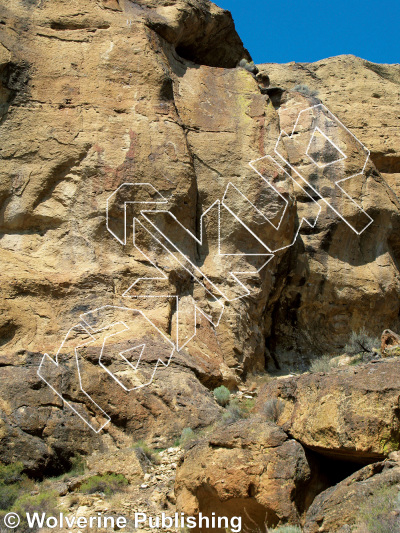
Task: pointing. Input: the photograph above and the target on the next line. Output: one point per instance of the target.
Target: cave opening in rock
(327, 471)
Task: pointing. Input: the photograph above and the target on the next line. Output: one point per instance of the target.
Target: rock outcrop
(109, 105)
(390, 343)
(365, 95)
(350, 414)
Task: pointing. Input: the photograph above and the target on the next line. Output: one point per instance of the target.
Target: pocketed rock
(389, 342)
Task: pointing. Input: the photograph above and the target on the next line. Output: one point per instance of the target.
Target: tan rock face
(249, 469)
(350, 414)
(88, 104)
(113, 107)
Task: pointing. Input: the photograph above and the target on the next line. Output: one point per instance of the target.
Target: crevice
(326, 472)
(275, 94)
(386, 163)
(57, 37)
(78, 25)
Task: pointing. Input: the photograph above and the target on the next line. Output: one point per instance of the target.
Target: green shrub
(44, 502)
(360, 342)
(379, 513)
(8, 495)
(222, 395)
(356, 360)
(78, 465)
(237, 410)
(305, 90)
(143, 451)
(11, 479)
(248, 65)
(106, 483)
(272, 409)
(11, 473)
(187, 435)
(232, 414)
(247, 405)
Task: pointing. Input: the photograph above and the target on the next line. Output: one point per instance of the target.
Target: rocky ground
(317, 450)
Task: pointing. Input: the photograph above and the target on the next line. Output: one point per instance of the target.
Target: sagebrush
(187, 436)
(323, 364)
(273, 408)
(305, 90)
(108, 484)
(143, 451)
(360, 342)
(222, 395)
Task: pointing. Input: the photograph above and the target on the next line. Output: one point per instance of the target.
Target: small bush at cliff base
(233, 413)
(222, 395)
(361, 342)
(143, 450)
(78, 465)
(323, 364)
(44, 502)
(187, 436)
(11, 473)
(107, 483)
(11, 478)
(237, 410)
(272, 409)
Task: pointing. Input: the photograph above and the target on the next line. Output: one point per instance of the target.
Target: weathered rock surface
(88, 104)
(99, 95)
(123, 462)
(332, 283)
(364, 95)
(389, 341)
(350, 413)
(250, 469)
(338, 508)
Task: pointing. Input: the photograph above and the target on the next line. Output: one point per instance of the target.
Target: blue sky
(303, 31)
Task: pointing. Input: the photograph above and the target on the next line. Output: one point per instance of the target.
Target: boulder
(124, 462)
(351, 413)
(250, 469)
